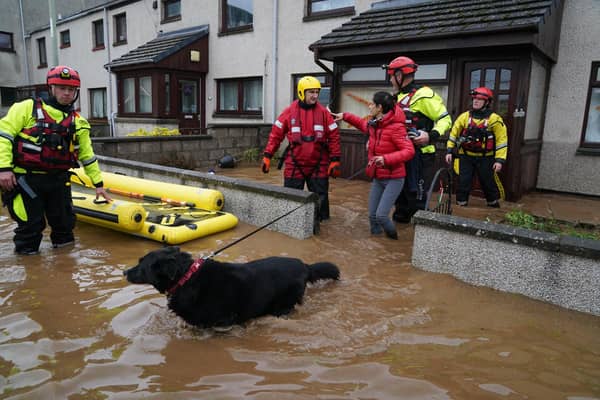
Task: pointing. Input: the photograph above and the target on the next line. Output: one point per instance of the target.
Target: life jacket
(414, 120)
(48, 145)
(477, 138)
(301, 134)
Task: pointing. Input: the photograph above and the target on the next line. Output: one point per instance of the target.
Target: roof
(436, 19)
(160, 48)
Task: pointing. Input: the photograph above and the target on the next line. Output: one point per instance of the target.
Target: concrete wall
(561, 270)
(561, 166)
(253, 203)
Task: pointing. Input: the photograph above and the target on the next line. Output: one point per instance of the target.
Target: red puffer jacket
(387, 138)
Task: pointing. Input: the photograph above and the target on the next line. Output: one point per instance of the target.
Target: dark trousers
(414, 193)
(320, 186)
(52, 202)
(468, 165)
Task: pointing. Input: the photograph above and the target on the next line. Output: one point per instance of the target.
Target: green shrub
(158, 131)
(524, 220)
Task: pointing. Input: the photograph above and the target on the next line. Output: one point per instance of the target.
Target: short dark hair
(385, 100)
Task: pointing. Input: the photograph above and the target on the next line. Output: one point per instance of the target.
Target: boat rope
(214, 253)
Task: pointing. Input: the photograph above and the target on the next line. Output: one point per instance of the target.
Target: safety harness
(476, 138)
(48, 145)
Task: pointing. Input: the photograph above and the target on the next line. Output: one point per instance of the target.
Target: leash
(214, 253)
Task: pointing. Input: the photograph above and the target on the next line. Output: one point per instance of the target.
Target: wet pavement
(72, 328)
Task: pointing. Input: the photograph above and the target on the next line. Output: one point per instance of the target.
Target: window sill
(342, 12)
(589, 151)
(224, 114)
(171, 19)
(233, 31)
(65, 46)
(98, 48)
(42, 66)
(115, 44)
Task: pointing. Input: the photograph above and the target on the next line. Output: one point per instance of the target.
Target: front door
(189, 110)
(502, 77)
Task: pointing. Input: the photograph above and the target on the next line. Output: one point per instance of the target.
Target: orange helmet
(63, 75)
(482, 93)
(404, 64)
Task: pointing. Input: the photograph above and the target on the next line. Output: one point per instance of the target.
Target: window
(136, 95)
(324, 94)
(98, 103)
(171, 10)
(98, 34)
(42, 60)
(8, 96)
(120, 29)
(65, 39)
(6, 41)
(236, 16)
(591, 123)
(240, 96)
(317, 9)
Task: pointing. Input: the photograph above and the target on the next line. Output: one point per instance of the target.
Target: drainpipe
(25, 62)
(53, 36)
(109, 94)
(274, 62)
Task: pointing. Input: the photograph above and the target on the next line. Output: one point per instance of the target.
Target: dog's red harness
(196, 265)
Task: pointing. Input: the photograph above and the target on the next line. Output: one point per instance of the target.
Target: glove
(266, 164)
(335, 169)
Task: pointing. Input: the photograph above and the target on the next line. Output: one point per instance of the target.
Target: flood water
(72, 328)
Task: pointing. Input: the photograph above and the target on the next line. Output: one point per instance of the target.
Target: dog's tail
(323, 270)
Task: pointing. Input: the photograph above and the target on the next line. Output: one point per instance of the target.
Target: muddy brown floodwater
(72, 328)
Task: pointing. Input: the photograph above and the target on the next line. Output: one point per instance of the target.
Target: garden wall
(562, 270)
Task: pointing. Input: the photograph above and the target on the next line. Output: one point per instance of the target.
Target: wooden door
(189, 107)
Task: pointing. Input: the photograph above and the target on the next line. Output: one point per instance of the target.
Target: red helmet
(404, 64)
(63, 75)
(482, 93)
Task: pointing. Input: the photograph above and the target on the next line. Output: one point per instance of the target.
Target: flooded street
(72, 328)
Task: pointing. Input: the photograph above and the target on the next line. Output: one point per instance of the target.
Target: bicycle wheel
(439, 195)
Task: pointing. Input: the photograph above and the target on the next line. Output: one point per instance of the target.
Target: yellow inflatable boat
(150, 190)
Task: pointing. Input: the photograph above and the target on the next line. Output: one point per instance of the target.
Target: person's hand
(497, 167)
(448, 159)
(422, 139)
(379, 161)
(335, 169)
(266, 164)
(101, 192)
(337, 116)
(8, 181)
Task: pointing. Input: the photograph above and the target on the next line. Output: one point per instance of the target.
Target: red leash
(196, 265)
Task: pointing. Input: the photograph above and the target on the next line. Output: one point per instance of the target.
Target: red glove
(335, 169)
(266, 164)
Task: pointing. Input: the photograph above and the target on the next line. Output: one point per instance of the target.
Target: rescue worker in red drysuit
(313, 153)
(426, 120)
(480, 137)
(39, 142)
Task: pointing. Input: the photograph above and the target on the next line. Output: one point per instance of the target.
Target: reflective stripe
(278, 124)
(452, 139)
(332, 126)
(295, 129)
(501, 146)
(318, 128)
(428, 149)
(443, 115)
(7, 136)
(40, 113)
(89, 161)
(32, 146)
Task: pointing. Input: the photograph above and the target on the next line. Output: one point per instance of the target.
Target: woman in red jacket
(388, 149)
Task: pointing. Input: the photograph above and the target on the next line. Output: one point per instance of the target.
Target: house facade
(207, 66)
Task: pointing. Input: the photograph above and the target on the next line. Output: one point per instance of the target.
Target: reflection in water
(71, 327)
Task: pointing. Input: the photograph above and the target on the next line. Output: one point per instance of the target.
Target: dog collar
(196, 265)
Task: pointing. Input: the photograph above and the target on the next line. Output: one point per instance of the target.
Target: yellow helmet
(305, 83)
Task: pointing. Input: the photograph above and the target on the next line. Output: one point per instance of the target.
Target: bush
(158, 131)
(528, 221)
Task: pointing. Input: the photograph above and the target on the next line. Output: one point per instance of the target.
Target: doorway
(189, 111)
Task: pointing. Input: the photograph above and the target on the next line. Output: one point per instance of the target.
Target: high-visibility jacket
(479, 135)
(21, 131)
(424, 110)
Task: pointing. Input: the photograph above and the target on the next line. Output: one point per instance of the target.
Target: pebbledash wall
(185, 151)
(561, 270)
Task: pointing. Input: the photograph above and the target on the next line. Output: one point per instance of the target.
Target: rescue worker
(314, 151)
(426, 120)
(480, 137)
(39, 142)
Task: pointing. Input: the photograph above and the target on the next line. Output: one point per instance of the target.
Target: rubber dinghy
(172, 221)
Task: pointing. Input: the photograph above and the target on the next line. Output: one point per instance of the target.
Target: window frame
(594, 83)
(42, 53)
(116, 19)
(239, 112)
(164, 4)
(8, 96)
(65, 43)
(91, 92)
(98, 45)
(309, 15)
(11, 47)
(327, 82)
(224, 29)
(136, 89)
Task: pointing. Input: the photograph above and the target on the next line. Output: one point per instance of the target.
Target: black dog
(209, 293)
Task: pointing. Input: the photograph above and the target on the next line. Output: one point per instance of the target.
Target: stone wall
(185, 151)
(561, 270)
